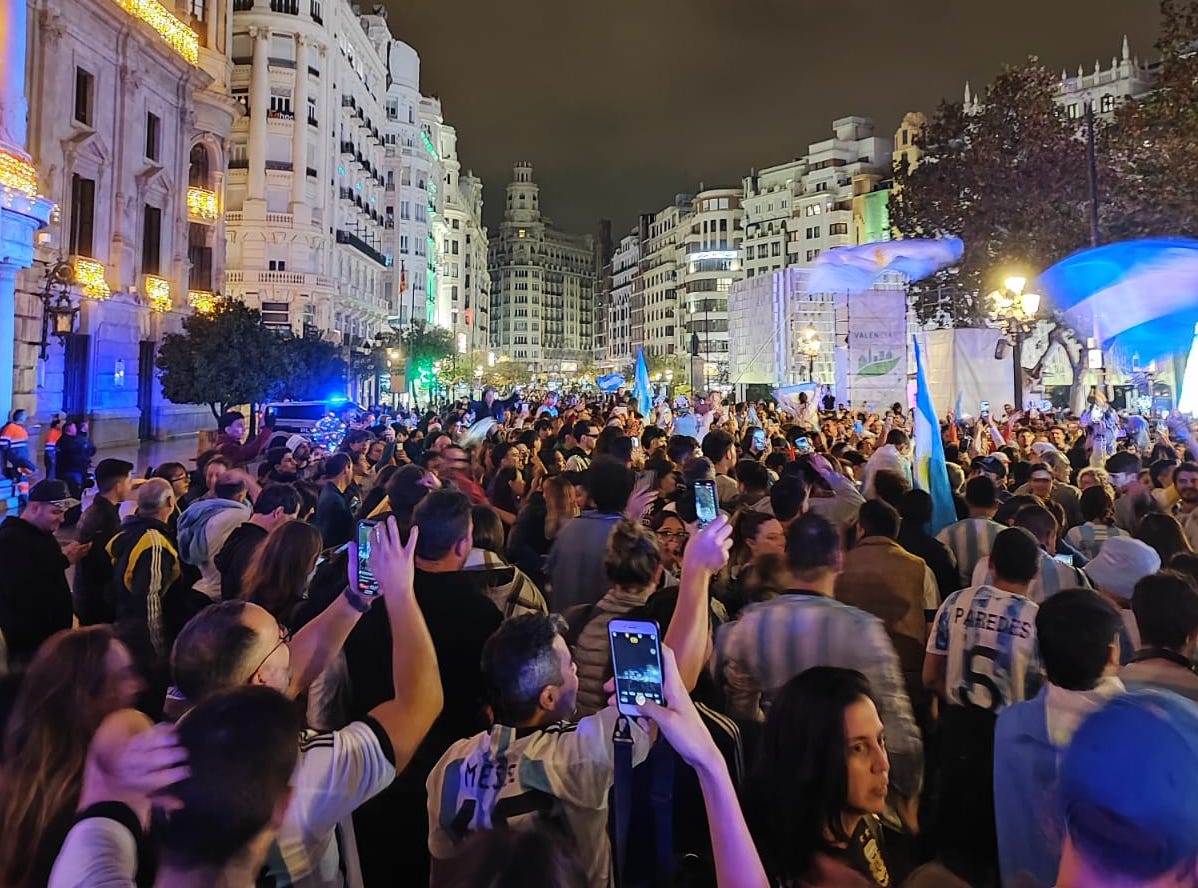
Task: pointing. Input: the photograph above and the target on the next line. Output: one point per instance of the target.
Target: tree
(1152, 149)
(222, 358)
(314, 369)
(425, 345)
(1008, 178)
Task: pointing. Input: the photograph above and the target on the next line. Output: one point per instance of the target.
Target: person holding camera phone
(534, 760)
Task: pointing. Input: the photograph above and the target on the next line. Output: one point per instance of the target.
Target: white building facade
(713, 263)
(620, 350)
(130, 143)
(542, 285)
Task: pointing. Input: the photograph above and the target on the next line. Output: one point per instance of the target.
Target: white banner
(877, 348)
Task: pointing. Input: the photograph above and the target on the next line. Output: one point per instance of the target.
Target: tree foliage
(1009, 179)
(1152, 150)
(222, 358)
(314, 369)
(425, 344)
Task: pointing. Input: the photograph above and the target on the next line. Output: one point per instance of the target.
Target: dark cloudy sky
(620, 104)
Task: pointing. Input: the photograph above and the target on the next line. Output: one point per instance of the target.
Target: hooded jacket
(145, 565)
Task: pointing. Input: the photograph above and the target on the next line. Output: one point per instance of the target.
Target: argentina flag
(929, 471)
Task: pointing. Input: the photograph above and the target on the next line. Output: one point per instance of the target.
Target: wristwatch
(360, 603)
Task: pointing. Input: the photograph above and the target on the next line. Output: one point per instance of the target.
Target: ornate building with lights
(542, 286)
(130, 144)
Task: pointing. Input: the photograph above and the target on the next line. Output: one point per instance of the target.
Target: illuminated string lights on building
(201, 300)
(89, 274)
(201, 204)
(177, 35)
(17, 173)
(158, 293)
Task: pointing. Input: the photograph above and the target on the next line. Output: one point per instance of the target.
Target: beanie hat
(1120, 564)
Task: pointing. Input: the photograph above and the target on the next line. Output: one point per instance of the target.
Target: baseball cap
(991, 465)
(1041, 471)
(1134, 813)
(111, 469)
(1120, 564)
(53, 491)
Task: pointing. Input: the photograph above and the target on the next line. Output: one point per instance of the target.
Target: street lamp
(809, 345)
(58, 312)
(1015, 311)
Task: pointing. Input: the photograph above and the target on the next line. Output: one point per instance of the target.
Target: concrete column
(259, 105)
(299, 138)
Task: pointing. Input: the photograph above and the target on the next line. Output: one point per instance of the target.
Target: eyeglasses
(673, 534)
(179, 479)
(284, 637)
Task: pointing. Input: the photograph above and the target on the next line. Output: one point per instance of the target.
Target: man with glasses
(236, 643)
(35, 600)
(585, 433)
(92, 590)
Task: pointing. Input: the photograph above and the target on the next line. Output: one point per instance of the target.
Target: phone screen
(636, 663)
(759, 439)
(706, 509)
(858, 427)
(803, 445)
(1064, 559)
(636, 442)
(366, 582)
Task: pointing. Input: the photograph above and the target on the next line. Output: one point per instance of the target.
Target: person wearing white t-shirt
(536, 765)
(981, 657)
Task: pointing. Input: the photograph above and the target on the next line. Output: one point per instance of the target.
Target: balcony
(158, 293)
(274, 62)
(202, 205)
(239, 163)
(89, 275)
(352, 240)
(274, 114)
(174, 32)
(203, 301)
(283, 166)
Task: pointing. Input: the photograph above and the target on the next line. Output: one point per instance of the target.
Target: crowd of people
(388, 663)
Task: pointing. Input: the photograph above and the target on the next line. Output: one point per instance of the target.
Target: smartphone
(367, 584)
(636, 663)
(858, 427)
(706, 508)
(985, 409)
(636, 442)
(759, 439)
(803, 445)
(1064, 559)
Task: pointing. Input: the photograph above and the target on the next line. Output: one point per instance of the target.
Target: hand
(708, 550)
(393, 563)
(678, 720)
(140, 769)
(75, 550)
(640, 501)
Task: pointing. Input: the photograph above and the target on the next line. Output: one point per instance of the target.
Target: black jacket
(334, 518)
(497, 409)
(74, 453)
(92, 592)
(934, 554)
(35, 600)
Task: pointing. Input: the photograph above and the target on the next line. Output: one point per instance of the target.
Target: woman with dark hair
(671, 538)
(505, 493)
(506, 585)
(820, 781)
(278, 577)
(378, 491)
(1164, 534)
(544, 514)
(77, 679)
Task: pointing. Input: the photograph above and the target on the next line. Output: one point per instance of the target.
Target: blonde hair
(559, 504)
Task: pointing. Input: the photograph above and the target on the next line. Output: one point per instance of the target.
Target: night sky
(621, 104)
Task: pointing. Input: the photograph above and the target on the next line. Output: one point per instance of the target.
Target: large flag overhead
(640, 386)
(856, 269)
(929, 471)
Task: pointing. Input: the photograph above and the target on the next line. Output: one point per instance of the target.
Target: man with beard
(281, 466)
(1185, 480)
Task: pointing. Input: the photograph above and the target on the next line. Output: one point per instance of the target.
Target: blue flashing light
(337, 399)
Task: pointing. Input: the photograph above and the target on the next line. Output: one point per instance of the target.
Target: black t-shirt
(460, 618)
(235, 556)
(865, 852)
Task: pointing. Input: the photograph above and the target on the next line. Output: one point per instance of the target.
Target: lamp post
(809, 345)
(1015, 311)
(58, 312)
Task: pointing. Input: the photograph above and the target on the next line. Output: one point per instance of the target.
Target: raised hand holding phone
(393, 562)
(636, 664)
(708, 549)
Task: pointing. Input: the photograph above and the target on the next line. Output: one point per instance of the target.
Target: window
(85, 96)
(403, 243)
(83, 210)
(776, 249)
(1107, 104)
(812, 232)
(151, 240)
(838, 228)
(813, 210)
(1074, 111)
(811, 254)
(277, 265)
(153, 128)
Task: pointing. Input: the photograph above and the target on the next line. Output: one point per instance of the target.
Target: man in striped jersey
(981, 657)
(1052, 575)
(775, 640)
(969, 540)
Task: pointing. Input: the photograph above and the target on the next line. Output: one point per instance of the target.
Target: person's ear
(548, 697)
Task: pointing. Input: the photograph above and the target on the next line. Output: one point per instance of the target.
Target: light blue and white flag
(640, 387)
(929, 471)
